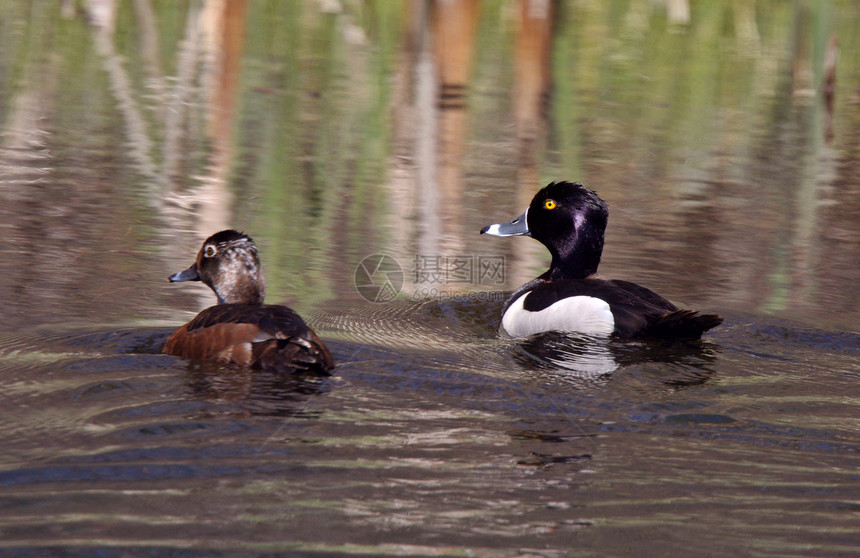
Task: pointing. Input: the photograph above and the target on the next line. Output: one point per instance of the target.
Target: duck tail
(682, 324)
(299, 354)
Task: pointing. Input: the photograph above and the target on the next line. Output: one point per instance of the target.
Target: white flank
(580, 314)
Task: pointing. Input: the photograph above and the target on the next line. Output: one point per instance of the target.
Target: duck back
(269, 337)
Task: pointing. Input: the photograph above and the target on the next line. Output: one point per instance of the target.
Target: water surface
(723, 137)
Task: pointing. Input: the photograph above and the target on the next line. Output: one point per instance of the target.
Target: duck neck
(577, 259)
(243, 290)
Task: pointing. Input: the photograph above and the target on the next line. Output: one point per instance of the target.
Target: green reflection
(299, 122)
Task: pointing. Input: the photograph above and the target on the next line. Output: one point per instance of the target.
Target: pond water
(725, 138)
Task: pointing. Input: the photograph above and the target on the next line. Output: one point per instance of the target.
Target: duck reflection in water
(240, 329)
(584, 360)
(241, 392)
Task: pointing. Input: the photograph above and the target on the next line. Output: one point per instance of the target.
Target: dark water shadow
(586, 361)
(114, 340)
(230, 390)
(240, 391)
(798, 335)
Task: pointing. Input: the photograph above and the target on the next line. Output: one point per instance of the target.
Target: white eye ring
(209, 251)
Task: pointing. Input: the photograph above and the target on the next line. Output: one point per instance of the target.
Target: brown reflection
(446, 34)
(26, 210)
(829, 88)
(531, 91)
(204, 89)
(792, 166)
(836, 287)
(443, 73)
(224, 22)
(531, 85)
(209, 52)
(442, 83)
(148, 42)
(454, 25)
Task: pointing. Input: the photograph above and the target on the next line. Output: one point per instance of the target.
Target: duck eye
(550, 204)
(209, 251)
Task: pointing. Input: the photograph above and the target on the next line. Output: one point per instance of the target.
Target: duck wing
(638, 312)
(662, 319)
(270, 337)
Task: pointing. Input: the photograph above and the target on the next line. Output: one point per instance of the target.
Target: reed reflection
(443, 77)
(187, 198)
(334, 131)
(449, 33)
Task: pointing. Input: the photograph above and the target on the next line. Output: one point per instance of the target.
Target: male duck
(569, 219)
(240, 329)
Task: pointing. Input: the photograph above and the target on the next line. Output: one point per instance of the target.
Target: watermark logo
(378, 278)
(462, 270)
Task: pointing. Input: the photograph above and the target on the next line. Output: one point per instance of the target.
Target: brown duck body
(241, 329)
(266, 336)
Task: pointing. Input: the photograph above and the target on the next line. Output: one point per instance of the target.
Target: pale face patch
(580, 314)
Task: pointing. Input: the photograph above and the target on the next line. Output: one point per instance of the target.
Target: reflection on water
(723, 137)
(575, 358)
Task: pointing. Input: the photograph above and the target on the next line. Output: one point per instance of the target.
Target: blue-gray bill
(189, 274)
(517, 227)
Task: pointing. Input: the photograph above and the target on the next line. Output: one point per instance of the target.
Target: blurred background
(723, 135)
(345, 134)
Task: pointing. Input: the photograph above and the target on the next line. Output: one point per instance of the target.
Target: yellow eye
(550, 204)
(209, 251)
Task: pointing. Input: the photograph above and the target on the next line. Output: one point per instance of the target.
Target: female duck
(240, 329)
(570, 221)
